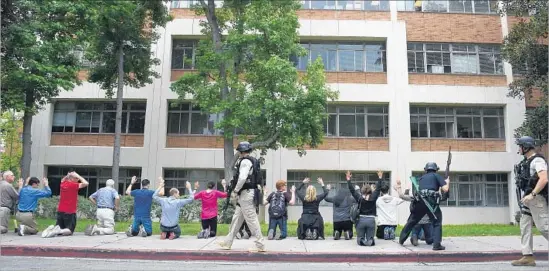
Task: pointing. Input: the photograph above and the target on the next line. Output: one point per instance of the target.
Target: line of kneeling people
(369, 201)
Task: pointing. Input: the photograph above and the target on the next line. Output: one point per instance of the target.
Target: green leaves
(266, 98)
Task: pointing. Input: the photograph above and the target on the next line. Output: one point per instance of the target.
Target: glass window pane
(464, 127)
(108, 122)
(360, 126)
(347, 109)
(487, 63)
(136, 123)
(347, 125)
(482, 6)
(83, 121)
(477, 130)
(95, 122)
(173, 123)
(438, 126)
(199, 124)
(332, 124)
(374, 61)
(347, 61)
(375, 126)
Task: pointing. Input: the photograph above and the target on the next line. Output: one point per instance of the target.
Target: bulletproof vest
(526, 182)
(254, 178)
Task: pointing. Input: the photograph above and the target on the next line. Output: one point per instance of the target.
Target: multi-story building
(414, 78)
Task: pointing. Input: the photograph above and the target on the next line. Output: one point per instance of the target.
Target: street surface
(37, 263)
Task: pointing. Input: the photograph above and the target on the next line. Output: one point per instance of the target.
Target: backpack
(277, 207)
(355, 212)
(256, 177)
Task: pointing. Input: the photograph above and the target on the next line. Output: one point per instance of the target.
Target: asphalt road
(37, 263)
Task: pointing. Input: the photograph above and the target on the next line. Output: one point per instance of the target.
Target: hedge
(47, 208)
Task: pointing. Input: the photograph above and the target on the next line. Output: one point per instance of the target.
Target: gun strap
(416, 185)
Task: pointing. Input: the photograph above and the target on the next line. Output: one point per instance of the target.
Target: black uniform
(429, 185)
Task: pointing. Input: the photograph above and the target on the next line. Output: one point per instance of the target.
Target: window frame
(409, 6)
(98, 108)
(500, 115)
(194, 49)
(366, 114)
(383, 6)
(307, 45)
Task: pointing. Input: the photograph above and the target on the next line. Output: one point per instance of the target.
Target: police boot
(438, 247)
(525, 261)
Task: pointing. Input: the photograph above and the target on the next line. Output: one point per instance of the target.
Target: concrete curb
(244, 256)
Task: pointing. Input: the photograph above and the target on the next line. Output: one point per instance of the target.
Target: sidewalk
(187, 248)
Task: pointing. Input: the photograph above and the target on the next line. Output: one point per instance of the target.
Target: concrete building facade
(414, 78)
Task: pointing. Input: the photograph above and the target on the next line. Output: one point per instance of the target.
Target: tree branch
(257, 145)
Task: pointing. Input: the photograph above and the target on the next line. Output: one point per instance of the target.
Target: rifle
(445, 195)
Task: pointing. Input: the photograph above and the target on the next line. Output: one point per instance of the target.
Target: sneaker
(256, 249)
(347, 235)
(337, 235)
(129, 231)
(277, 236)
(223, 245)
(142, 231)
(163, 236)
(524, 261)
(308, 235)
(246, 235)
(414, 240)
(200, 234)
(206, 233)
(21, 230)
(315, 235)
(270, 235)
(171, 236)
(369, 242)
(47, 231)
(90, 230)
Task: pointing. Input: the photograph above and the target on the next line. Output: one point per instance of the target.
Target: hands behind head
(348, 175)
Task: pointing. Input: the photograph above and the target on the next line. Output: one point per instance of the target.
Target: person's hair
(110, 183)
(33, 180)
(6, 174)
(145, 182)
(366, 189)
(280, 184)
(173, 191)
(210, 185)
(310, 194)
(384, 189)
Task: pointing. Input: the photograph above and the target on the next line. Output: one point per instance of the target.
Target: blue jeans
(145, 221)
(424, 232)
(282, 223)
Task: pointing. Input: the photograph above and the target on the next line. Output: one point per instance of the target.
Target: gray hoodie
(342, 201)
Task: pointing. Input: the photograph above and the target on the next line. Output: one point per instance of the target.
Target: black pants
(419, 210)
(210, 223)
(343, 226)
(66, 221)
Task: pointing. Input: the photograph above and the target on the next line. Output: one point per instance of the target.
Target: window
(459, 122)
(335, 179)
(369, 5)
(191, 3)
(97, 117)
(79, 52)
(346, 56)
(477, 189)
(452, 6)
(188, 119)
(358, 121)
(176, 178)
(454, 58)
(96, 176)
(184, 54)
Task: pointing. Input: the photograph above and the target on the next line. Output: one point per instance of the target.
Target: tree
(525, 50)
(120, 48)
(11, 126)
(247, 77)
(38, 38)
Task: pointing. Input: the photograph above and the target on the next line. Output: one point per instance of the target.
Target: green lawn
(194, 228)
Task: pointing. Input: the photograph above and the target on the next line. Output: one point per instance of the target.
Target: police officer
(244, 191)
(429, 185)
(532, 192)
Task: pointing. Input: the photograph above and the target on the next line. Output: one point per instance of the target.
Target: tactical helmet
(244, 146)
(526, 142)
(431, 166)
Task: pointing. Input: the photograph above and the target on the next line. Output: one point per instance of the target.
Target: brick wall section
(459, 145)
(445, 27)
(353, 144)
(83, 75)
(184, 13)
(355, 77)
(196, 141)
(456, 80)
(62, 139)
(534, 98)
(176, 74)
(344, 15)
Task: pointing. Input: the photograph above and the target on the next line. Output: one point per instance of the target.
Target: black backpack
(277, 207)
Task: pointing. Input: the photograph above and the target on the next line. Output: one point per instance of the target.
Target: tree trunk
(118, 123)
(27, 144)
(228, 151)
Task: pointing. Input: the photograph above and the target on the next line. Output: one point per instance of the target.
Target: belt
(30, 211)
(99, 207)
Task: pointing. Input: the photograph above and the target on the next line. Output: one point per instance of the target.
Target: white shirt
(537, 165)
(387, 209)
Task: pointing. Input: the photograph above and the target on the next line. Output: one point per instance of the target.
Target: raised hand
(134, 180)
(320, 181)
(380, 174)
(196, 185)
(348, 175)
(20, 183)
(293, 188)
(188, 185)
(306, 180)
(45, 181)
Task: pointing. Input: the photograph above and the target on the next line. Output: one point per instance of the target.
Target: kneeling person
(107, 201)
(171, 207)
(28, 201)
